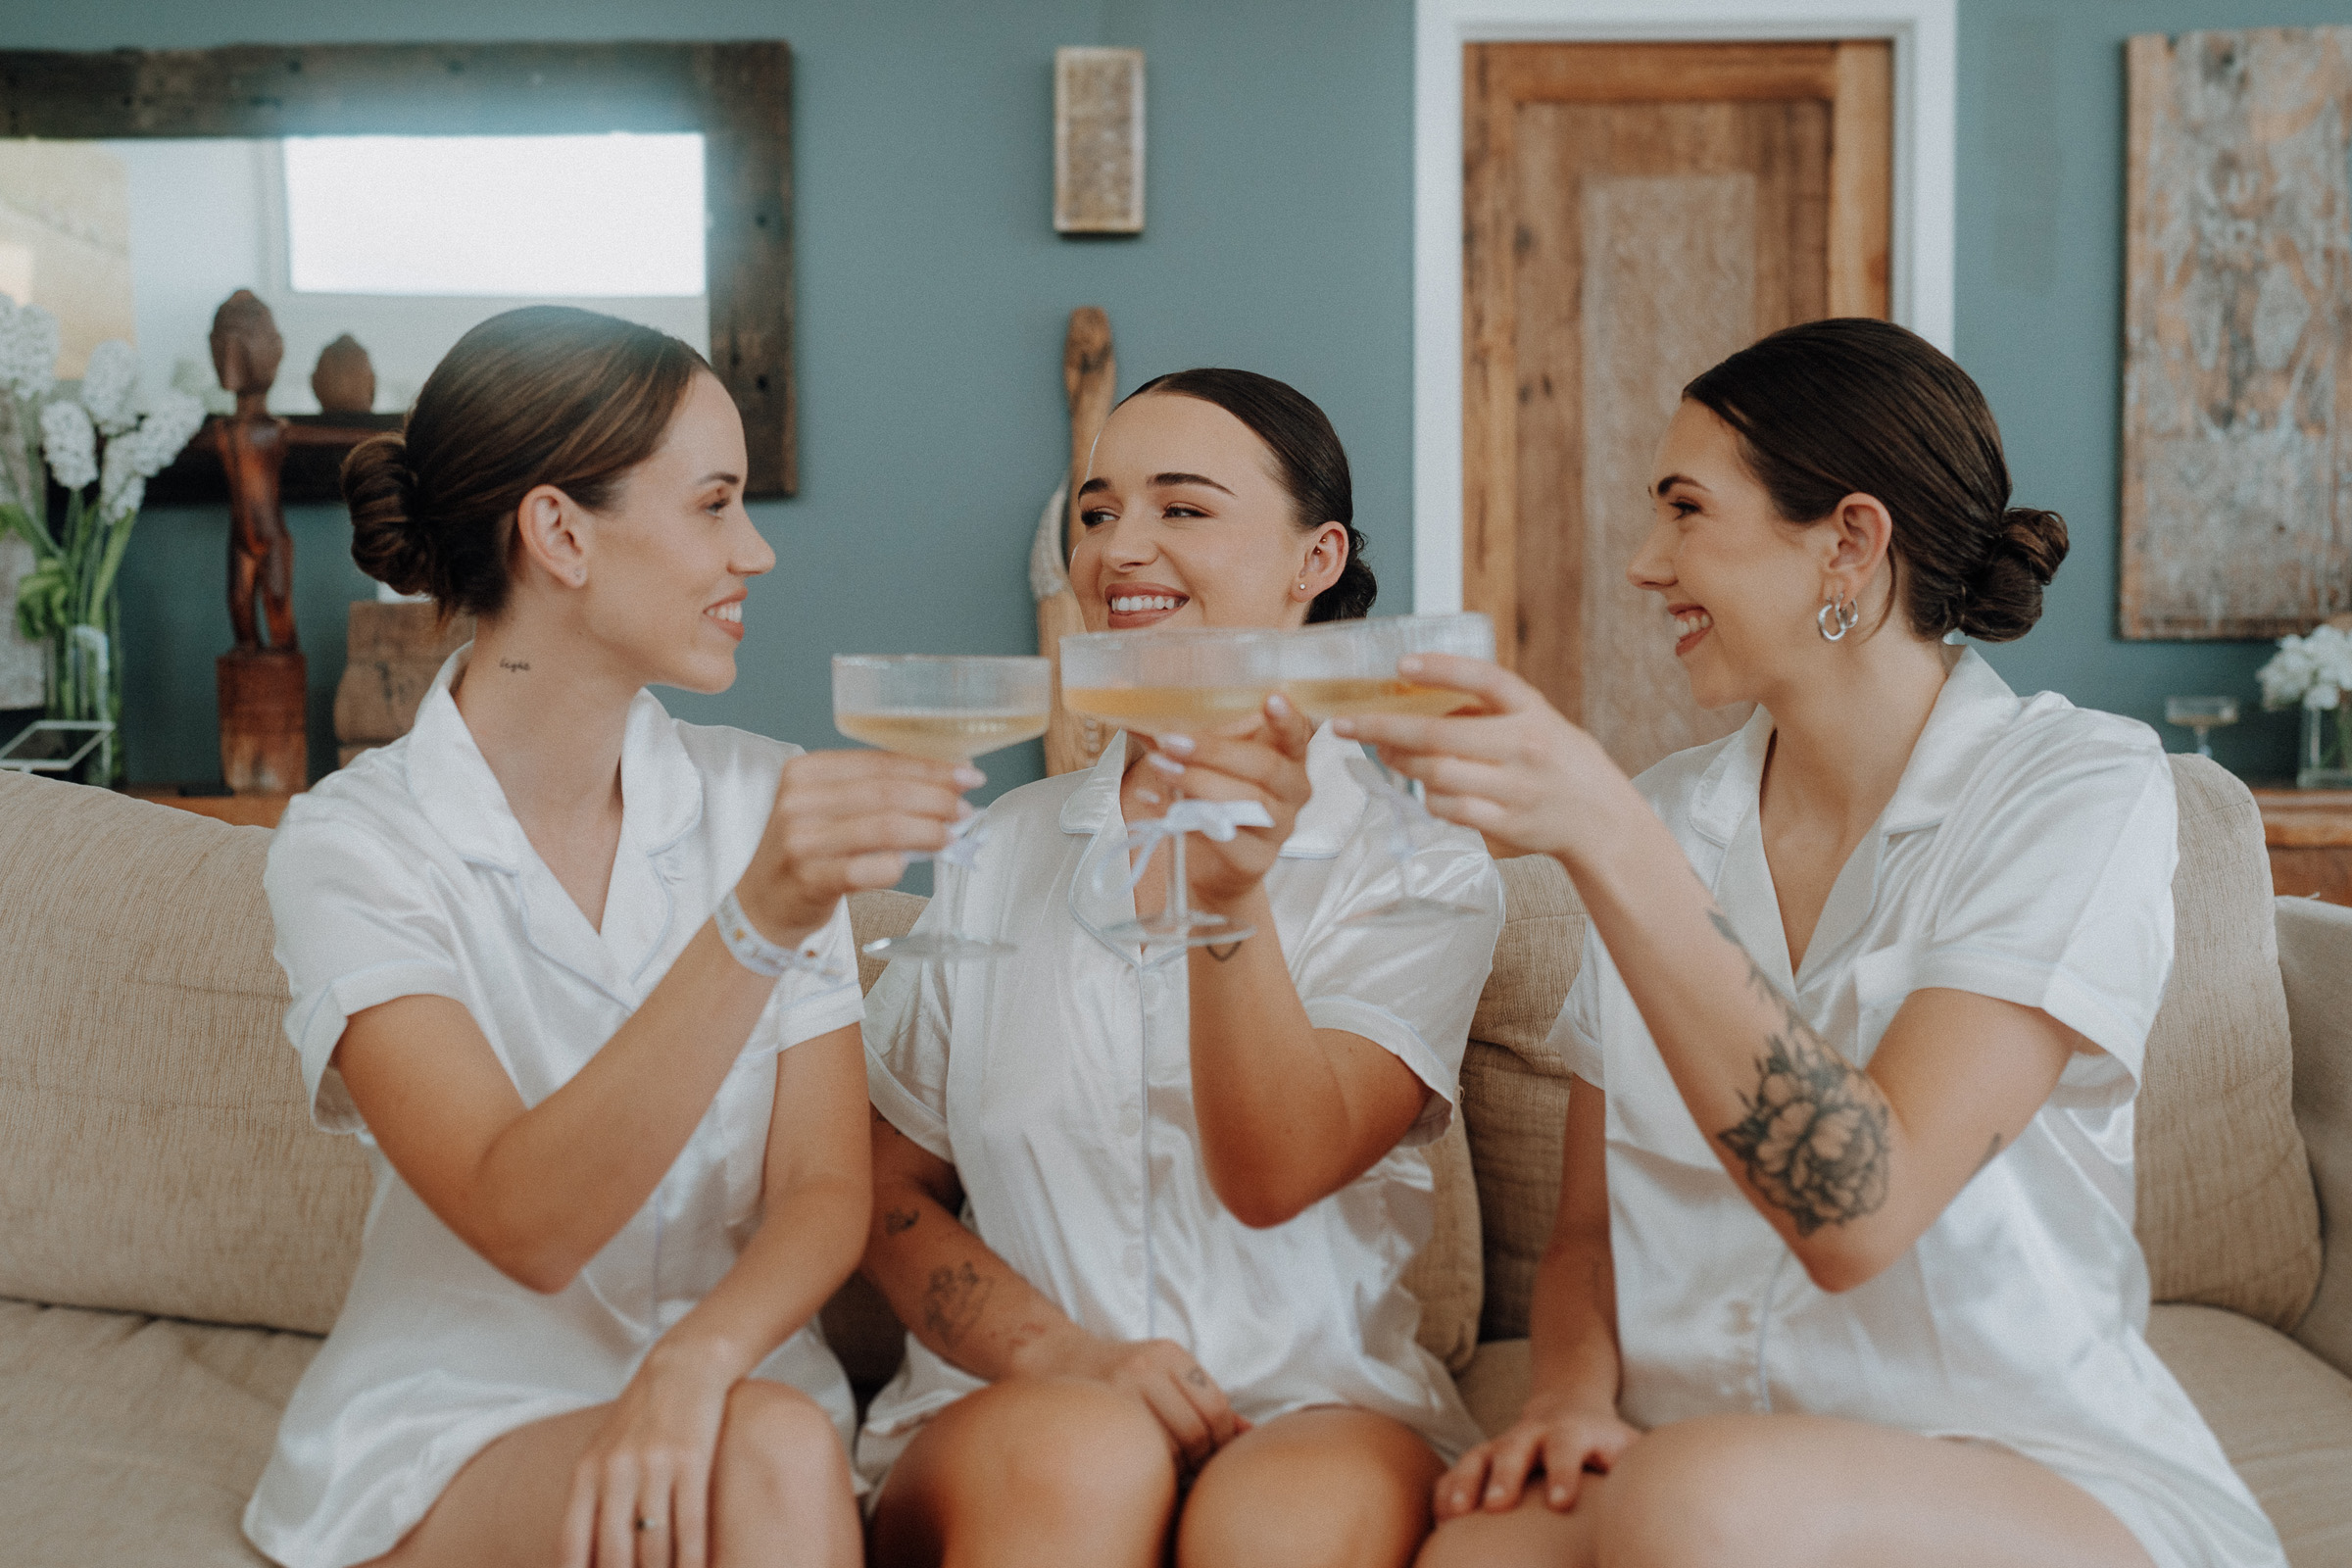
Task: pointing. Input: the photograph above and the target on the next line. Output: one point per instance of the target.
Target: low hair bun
(388, 540)
(2003, 598)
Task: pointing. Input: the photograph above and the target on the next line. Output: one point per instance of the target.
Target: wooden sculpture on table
(1090, 378)
(263, 681)
(262, 684)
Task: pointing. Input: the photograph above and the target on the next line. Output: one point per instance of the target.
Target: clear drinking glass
(1345, 668)
(2201, 715)
(949, 710)
(1193, 682)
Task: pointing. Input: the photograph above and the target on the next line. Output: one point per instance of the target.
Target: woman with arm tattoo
(1145, 1224)
(1844, 1272)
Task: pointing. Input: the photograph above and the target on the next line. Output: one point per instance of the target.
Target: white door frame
(1926, 92)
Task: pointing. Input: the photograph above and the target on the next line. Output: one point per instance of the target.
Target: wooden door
(1632, 214)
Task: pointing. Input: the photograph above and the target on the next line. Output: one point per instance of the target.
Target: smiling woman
(583, 976)
(1275, 453)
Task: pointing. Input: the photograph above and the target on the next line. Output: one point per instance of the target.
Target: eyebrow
(1093, 485)
(717, 477)
(1673, 480)
(1163, 482)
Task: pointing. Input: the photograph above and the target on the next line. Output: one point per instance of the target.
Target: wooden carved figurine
(345, 377)
(252, 443)
(261, 688)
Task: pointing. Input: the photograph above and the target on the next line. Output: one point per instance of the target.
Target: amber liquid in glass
(1348, 697)
(1168, 709)
(942, 734)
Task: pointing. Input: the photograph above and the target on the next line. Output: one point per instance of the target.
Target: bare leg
(1802, 1491)
(780, 1492)
(1335, 1487)
(1031, 1472)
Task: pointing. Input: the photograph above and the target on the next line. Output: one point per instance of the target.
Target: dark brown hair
(1307, 456)
(1854, 406)
(542, 395)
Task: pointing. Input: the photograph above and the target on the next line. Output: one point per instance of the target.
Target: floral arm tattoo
(1814, 1139)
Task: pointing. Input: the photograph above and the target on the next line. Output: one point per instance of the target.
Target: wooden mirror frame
(737, 95)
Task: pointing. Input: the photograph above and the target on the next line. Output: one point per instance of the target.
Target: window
(608, 216)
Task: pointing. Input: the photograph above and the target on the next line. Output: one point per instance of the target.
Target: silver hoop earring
(1843, 611)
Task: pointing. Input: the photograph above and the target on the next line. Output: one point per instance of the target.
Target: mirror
(649, 180)
(401, 243)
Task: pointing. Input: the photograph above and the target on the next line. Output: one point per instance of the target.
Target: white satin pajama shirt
(1058, 1083)
(406, 874)
(2028, 854)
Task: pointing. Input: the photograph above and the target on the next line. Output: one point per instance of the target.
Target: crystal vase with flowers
(2314, 672)
(101, 449)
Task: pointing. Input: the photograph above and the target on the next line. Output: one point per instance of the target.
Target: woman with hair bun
(618, 1139)
(1144, 1225)
(1842, 1272)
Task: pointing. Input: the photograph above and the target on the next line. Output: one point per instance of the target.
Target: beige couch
(174, 1233)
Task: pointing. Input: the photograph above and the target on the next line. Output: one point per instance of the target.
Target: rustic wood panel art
(2237, 375)
(1098, 141)
(737, 95)
(1634, 213)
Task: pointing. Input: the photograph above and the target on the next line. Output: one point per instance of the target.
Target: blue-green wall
(932, 297)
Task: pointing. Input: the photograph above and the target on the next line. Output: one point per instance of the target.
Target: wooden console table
(239, 811)
(2310, 835)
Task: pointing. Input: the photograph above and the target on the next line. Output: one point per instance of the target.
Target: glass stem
(1177, 911)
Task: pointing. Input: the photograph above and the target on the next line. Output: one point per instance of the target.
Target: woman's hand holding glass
(845, 822)
(1518, 774)
(1266, 764)
(1556, 1434)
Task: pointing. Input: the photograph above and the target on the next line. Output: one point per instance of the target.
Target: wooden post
(262, 750)
(1090, 378)
(392, 655)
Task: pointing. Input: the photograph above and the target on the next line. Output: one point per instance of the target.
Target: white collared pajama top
(406, 874)
(1058, 1083)
(2026, 854)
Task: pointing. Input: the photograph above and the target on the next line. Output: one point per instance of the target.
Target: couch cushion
(132, 1441)
(1446, 1277)
(161, 1157)
(2315, 958)
(1514, 1087)
(2283, 1417)
(2226, 1215)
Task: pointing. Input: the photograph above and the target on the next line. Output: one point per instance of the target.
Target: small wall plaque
(1098, 141)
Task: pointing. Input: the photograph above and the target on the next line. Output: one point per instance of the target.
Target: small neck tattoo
(514, 663)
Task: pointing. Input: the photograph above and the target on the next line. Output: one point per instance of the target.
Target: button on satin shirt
(406, 874)
(2026, 854)
(1058, 1083)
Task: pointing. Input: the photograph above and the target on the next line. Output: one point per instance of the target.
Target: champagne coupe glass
(2201, 714)
(947, 709)
(1341, 669)
(1189, 682)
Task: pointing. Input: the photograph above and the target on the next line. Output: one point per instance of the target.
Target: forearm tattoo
(898, 1220)
(953, 1301)
(1814, 1139)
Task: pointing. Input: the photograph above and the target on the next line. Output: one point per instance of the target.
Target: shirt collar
(1325, 823)
(1972, 708)
(660, 788)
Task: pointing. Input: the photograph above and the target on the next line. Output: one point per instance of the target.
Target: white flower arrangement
(2313, 670)
(96, 436)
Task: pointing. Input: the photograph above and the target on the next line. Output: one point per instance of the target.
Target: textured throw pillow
(161, 1157)
(1515, 1089)
(2227, 1214)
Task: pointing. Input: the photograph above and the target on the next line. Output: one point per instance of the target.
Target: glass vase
(86, 682)
(2325, 760)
